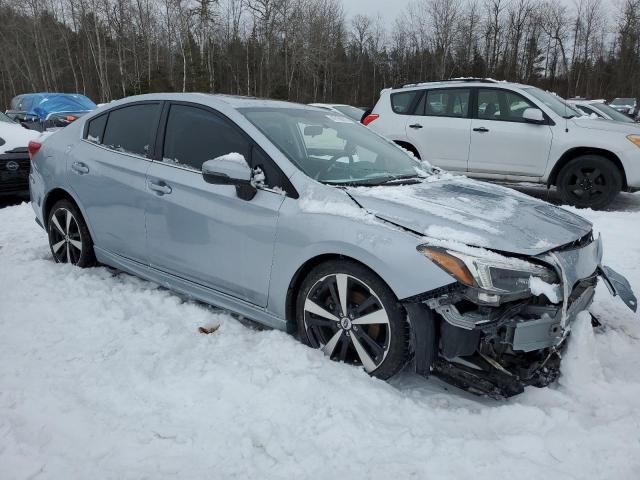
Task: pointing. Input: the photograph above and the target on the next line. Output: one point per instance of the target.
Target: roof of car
(235, 101)
(472, 82)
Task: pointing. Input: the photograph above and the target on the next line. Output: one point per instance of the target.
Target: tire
(589, 181)
(69, 238)
(381, 347)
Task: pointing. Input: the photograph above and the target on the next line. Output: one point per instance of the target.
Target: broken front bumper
(499, 350)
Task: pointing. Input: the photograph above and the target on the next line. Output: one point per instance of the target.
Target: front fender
(387, 250)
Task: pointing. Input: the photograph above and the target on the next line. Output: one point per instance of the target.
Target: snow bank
(103, 375)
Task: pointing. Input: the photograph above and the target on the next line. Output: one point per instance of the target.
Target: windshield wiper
(400, 179)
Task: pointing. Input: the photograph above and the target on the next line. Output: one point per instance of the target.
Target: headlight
(498, 275)
(635, 139)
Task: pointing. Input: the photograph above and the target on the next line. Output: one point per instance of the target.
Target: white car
(13, 135)
(354, 113)
(512, 132)
(597, 109)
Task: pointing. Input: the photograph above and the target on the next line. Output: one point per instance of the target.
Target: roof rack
(457, 79)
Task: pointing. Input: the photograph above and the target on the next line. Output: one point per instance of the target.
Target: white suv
(512, 132)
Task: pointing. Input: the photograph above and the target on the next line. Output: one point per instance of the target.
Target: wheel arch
(580, 151)
(300, 275)
(53, 196)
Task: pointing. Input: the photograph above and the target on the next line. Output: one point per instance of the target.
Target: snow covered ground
(105, 376)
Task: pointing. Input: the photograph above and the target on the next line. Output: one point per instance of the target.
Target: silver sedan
(306, 221)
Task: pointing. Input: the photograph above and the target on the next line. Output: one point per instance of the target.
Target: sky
(389, 9)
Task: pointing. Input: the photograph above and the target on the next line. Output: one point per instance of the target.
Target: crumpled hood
(455, 208)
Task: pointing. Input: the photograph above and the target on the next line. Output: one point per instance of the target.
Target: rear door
(108, 174)
(439, 127)
(202, 232)
(502, 142)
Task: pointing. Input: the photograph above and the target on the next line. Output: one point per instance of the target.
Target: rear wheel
(349, 313)
(69, 237)
(589, 181)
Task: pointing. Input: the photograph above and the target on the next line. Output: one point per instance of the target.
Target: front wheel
(69, 237)
(349, 313)
(589, 181)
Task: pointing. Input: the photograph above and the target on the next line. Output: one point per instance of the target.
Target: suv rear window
(132, 129)
(401, 102)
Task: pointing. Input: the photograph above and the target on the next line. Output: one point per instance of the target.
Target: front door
(440, 127)
(502, 142)
(201, 232)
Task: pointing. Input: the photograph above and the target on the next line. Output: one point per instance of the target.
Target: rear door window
(132, 129)
(95, 129)
(194, 135)
(447, 103)
(401, 102)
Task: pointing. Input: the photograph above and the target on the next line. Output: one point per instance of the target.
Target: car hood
(609, 126)
(455, 208)
(15, 135)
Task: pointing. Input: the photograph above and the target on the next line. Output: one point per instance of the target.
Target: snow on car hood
(455, 208)
(14, 136)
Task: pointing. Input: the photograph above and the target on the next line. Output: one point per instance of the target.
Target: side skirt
(190, 289)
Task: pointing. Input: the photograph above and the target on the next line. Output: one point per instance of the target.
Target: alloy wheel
(65, 238)
(586, 184)
(347, 320)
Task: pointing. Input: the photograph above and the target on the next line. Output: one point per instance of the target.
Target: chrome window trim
(99, 145)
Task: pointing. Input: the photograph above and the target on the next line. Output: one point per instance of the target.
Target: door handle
(481, 129)
(80, 168)
(161, 188)
(416, 126)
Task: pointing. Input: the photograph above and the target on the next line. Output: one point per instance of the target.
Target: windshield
(333, 149)
(351, 112)
(555, 103)
(612, 112)
(6, 118)
(623, 102)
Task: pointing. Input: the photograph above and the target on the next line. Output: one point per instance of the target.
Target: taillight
(33, 148)
(370, 118)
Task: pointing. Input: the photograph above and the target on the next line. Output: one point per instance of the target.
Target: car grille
(14, 171)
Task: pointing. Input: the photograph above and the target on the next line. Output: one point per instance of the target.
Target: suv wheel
(349, 313)
(69, 237)
(589, 181)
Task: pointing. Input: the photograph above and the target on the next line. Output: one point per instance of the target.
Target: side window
(504, 105)
(132, 129)
(447, 103)
(95, 129)
(194, 135)
(401, 102)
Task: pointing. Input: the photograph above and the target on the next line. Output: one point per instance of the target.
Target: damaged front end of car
(502, 326)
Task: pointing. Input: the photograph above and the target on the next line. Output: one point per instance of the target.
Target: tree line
(308, 50)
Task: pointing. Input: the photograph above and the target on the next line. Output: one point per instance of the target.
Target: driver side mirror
(230, 169)
(533, 115)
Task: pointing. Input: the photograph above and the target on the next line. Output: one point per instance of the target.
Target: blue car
(40, 111)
